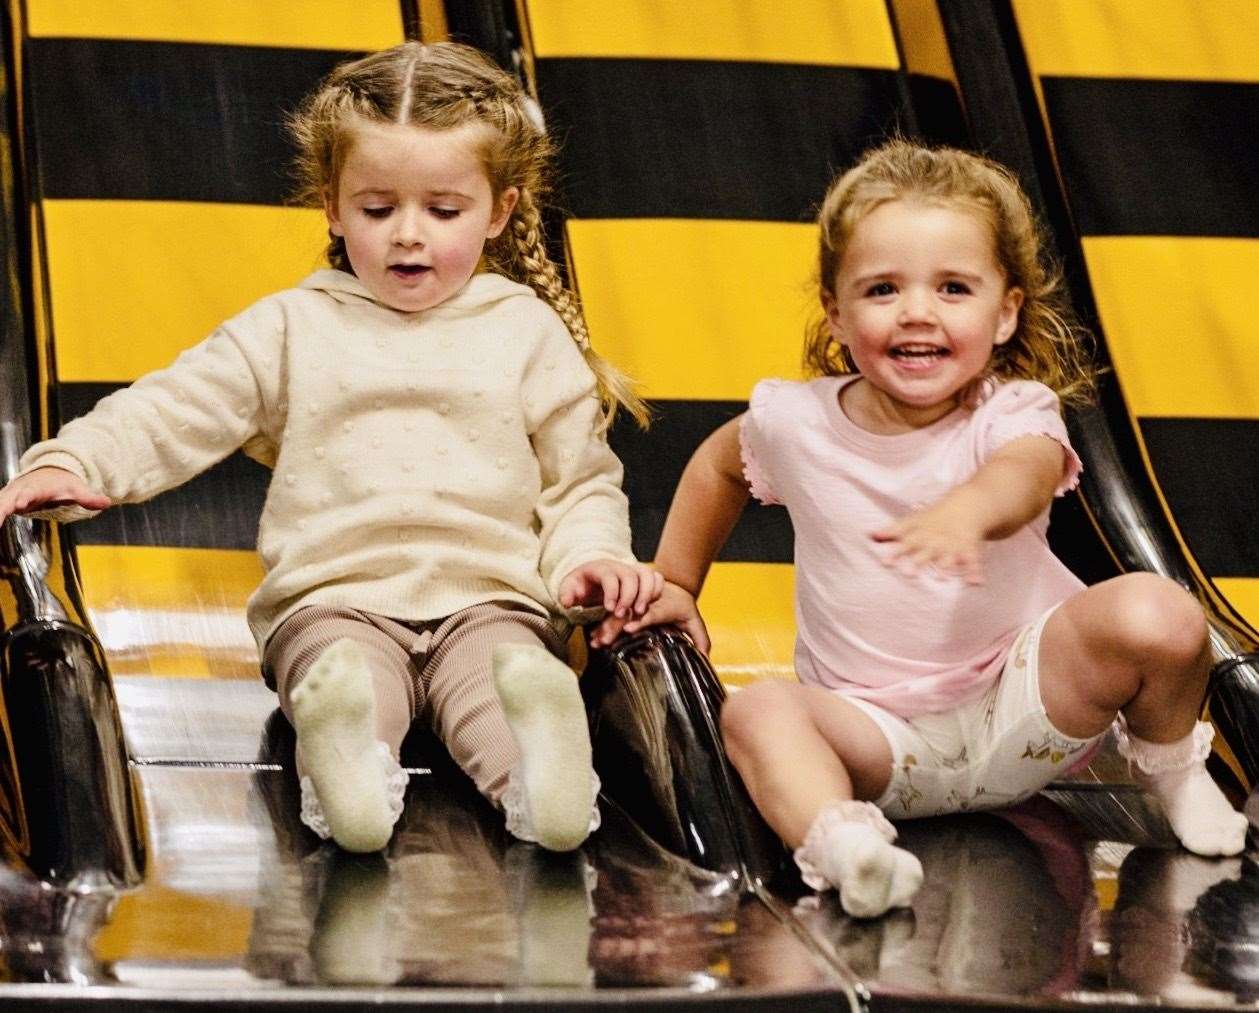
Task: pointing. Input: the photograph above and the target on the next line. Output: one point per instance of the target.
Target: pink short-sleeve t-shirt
(913, 644)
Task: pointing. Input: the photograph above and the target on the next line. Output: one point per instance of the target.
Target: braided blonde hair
(1047, 344)
(443, 86)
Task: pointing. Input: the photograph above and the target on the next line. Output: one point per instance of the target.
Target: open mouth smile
(917, 356)
(408, 271)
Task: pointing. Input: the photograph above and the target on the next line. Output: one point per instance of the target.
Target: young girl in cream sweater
(442, 489)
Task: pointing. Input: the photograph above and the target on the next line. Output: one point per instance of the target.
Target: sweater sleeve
(582, 512)
(172, 424)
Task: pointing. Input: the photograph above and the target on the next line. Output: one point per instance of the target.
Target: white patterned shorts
(991, 752)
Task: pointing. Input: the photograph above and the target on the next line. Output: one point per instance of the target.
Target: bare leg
(1137, 644)
(804, 753)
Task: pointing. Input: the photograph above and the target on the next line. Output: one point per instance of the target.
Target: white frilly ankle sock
(849, 847)
(1176, 774)
(353, 788)
(551, 793)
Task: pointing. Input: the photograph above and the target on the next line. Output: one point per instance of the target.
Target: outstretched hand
(675, 605)
(941, 537)
(622, 589)
(48, 487)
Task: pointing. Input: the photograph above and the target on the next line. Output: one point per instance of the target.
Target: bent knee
(1158, 621)
(757, 710)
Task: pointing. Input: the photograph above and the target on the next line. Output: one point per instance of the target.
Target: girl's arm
(166, 427)
(1009, 490)
(709, 499)
(706, 506)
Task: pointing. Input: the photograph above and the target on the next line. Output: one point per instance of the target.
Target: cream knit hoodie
(422, 462)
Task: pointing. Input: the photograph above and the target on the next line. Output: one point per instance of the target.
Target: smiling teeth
(918, 350)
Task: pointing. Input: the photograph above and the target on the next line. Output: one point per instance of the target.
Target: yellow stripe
(1179, 320)
(696, 309)
(852, 33)
(172, 612)
(748, 609)
(1243, 594)
(1175, 39)
(302, 24)
(135, 282)
(922, 38)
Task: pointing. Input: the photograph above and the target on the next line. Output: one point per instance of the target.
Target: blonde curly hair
(1048, 345)
(443, 86)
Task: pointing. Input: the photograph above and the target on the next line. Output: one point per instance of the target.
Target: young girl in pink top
(947, 660)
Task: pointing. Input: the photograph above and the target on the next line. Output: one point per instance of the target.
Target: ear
(831, 308)
(330, 212)
(506, 205)
(1008, 321)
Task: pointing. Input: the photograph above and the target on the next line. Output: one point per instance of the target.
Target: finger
(628, 591)
(647, 590)
(657, 614)
(606, 632)
(611, 591)
(695, 629)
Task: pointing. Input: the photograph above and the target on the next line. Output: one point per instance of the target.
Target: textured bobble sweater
(422, 462)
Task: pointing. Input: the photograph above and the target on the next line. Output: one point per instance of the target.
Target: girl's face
(919, 301)
(415, 209)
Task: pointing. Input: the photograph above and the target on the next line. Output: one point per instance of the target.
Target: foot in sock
(550, 797)
(849, 847)
(1176, 774)
(351, 773)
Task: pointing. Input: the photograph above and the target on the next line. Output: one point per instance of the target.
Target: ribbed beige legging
(439, 671)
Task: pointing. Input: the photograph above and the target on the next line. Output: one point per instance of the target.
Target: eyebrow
(374, 191)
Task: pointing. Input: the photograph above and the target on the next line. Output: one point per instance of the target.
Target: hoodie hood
(482, 290)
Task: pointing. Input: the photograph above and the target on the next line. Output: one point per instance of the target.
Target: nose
(408, 227)
(916, 308)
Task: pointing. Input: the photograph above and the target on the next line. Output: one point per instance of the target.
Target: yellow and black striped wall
(1153, 110)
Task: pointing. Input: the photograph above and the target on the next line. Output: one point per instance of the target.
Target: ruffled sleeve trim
(1072, 466)
(752, 472)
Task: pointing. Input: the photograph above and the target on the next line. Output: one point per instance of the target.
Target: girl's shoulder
(776, 395)
(1008, 397)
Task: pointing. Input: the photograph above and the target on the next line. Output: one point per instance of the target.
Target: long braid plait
(541, 274)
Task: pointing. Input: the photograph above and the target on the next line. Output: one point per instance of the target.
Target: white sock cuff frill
(849, 811)
(518, 818)
(1154, 758)
(395, 791)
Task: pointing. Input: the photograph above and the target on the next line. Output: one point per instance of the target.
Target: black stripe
(218, 509)
(938, 111)
(707, 138)
(1158, 158)
(126, 120)
(1209, 473)
(654, 461)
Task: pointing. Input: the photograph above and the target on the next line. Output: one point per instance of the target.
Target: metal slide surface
(155, 166)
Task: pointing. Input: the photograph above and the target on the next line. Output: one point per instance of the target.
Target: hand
(941, 536)
(619, 587)
(675, 605)
(48, 487)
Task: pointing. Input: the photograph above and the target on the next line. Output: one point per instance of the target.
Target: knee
(752, 712)
(1158, 623)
